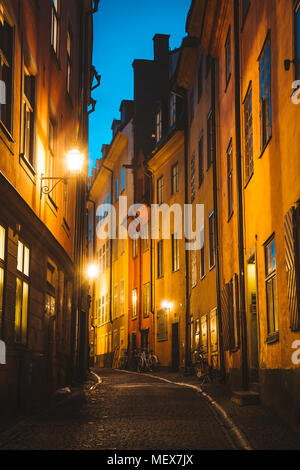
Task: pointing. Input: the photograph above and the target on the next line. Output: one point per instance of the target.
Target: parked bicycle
(203, 370)
(146, 362)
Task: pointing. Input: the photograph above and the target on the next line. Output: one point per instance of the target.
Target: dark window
(175, 253)
(201, 159)
(28, 117)
(211, 227)
(200, 81)
(6, 74)
(160, 190)
(193, 178)
(117, 189)
(158, 125)
(230, 179)
(175, 178)
(271, 286)
(228, 56)
(210, 140)
(248, 131)
(265, 93)
(245, 8)
(55, 30)
(146, 300)
(297, 40)
(172, 109)
(202, 252)
(192, 103)
(123, 180)
(22, 294)
(69, 61)
(160, 259)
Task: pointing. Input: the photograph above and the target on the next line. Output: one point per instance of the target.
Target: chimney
(161, 48)
(104, 150)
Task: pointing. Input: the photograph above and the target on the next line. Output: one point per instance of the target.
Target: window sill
(272, 338)
(27, 167)
(265, 146)
(212, 267)
(52, 205)
(6, 137)
(249, 179)
(66, 227)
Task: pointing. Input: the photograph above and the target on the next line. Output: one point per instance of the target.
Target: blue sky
(123, 31)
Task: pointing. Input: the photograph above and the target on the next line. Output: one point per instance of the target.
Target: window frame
(160, 259)
(134, 300)
(3, 267)
(266, 134)
(248, 134)
(158, 125)
(230, 198)
(228, 58)
(201, 159)
(146, 300)
(9, 63)
(172, 110)
(175, 253)
(175, 176)
(160, 190)
(210, 139)
(212, 239)
(55, 14)
(24, 279)
(271, 278)
(69, 66)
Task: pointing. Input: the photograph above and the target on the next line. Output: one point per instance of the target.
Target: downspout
(93, 289)
(240, 195)
(187, 274)
(216, 221)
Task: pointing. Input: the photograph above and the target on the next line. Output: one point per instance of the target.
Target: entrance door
(252, 319)
(175, 346)
(145, 341)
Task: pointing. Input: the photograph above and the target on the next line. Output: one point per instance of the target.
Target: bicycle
(203, 370)
(146, 362)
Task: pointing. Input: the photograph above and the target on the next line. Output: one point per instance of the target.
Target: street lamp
(74, 160)
(93, 271)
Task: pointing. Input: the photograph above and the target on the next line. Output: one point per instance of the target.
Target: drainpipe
(216, 221)
(92, 305)
(187, 274)
(240, 195)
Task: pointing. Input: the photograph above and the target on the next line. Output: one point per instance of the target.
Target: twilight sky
(123, 31)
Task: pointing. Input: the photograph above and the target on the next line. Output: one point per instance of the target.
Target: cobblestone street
(127, 412)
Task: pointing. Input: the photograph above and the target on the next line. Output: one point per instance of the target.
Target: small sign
(2, 353)
(2, 92)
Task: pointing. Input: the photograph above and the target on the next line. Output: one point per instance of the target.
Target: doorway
(145, 340)
(252, 319)
(175, 347)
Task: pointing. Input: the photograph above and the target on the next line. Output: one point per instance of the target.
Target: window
(108, 253)
(135, 248)
(297, 40)
(146, 242)
(162, 325)
(22, 294)
(175, 178)
(201, 159)
(193, 182)
(122, 297)
(265, 93)
(160, 259)
(2, 268)
(28, 117)
(6, 72)
(55, 7)
(248, 131)
(146, 300)
(123, 180)
(245, 8)
(117, 189)
(202, 252)
(192, 103)
(160, 190)
(116, 301)
(134, 304)
(211, 226)
(194, 268)
(69, 61)
(200, 81)
(210, 140)
(271, 286)
(228, 56)
(172, 110)
(175, 253)
(158, 125)
(230, 180)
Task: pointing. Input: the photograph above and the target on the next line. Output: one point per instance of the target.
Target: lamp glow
(75, 161)
(93, 271)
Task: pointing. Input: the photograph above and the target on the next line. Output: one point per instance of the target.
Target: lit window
(135, 248)
(22, 294)
(134, 303)
(122, 297)
(175, 253)
(146, 300)
(271, 286)
(116, 301)
(69, 61)
(160, 259)
(230, 180)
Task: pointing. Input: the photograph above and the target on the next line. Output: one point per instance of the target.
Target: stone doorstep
(244, 398)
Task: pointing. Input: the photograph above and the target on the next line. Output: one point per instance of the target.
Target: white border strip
(230, 424)
(98, 378)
